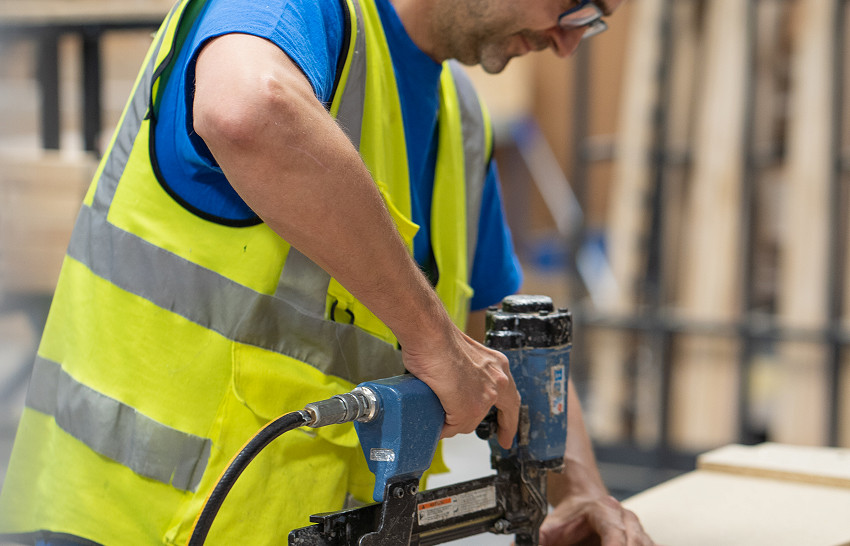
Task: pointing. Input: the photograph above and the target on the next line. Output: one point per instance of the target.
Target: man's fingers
(469, 380)
(508, 421)
(508, 406)
(450, 430)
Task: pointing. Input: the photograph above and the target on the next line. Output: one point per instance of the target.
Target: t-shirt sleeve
(496, 271)
(310, 32)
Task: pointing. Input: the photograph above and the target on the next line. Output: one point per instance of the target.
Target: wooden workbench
(769, 494)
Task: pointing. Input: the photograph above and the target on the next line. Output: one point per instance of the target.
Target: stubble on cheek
(477, 36)
(493, 59)
(495, 55)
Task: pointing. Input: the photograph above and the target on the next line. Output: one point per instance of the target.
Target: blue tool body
(536, 338)
(400, 442)
(541, 376)
(400, 436)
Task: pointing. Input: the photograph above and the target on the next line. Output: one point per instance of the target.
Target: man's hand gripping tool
(398, 421)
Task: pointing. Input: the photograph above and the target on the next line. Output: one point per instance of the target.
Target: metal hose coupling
(361, 404)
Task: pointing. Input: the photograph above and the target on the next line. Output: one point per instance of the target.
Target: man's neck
(415, 15)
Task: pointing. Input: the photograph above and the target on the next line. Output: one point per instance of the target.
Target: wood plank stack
(803, 299)
(704, 366)
(748, 104)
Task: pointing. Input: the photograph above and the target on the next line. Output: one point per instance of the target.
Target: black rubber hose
(264, 437)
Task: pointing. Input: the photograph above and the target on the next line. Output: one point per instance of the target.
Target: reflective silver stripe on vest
(350, 113)
(119, 153)
(116, 430)
(303, 283)
(474, 151)
(294, 328)
(224, 306)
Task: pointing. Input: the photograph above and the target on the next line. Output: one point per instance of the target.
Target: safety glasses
(587, 14)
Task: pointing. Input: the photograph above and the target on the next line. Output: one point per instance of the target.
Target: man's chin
(494, 65)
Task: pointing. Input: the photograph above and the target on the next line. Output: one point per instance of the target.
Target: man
(280, 216)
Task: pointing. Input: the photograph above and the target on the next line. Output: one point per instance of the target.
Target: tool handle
(489, 426)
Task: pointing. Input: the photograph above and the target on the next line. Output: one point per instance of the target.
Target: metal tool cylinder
(537, 339)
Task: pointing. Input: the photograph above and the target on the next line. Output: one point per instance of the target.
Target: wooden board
(804, 464)
(844, 404)
(683, 74)
(844, 408)
(802, 298)
(628, 213)
(627, 217)
(708, 508)
(703, 405)
(770, 494)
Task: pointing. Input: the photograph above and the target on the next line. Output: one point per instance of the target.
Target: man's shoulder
(319, 15)
(311, 32)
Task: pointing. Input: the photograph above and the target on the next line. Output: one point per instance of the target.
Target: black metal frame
(47, 36)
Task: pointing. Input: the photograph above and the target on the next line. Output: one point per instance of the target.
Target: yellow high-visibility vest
(173, 339)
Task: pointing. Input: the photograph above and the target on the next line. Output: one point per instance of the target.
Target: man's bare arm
(583, 507)
(293, 165)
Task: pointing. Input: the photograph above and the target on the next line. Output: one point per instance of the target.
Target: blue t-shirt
(311, 32)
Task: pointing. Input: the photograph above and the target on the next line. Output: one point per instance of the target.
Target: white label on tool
(382, 454)
(558, 390)
(457, 505)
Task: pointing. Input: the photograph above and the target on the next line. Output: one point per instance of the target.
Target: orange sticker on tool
(457, 505)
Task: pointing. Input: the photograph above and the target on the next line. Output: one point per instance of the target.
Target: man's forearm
(581, 473)
(582, 506)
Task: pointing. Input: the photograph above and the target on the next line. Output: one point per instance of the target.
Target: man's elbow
(238, 119)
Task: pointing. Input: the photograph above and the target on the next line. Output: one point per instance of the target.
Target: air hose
(361, 404)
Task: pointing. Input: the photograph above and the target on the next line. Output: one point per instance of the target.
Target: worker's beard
(473, 33)
(481, 32)
(494, 56)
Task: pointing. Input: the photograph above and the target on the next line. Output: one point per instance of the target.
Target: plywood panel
(804, 464)
(704, 375)
(802, 302)
(707, 508)
(627, 217)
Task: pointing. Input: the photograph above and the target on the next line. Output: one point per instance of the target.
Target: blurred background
(680, 184)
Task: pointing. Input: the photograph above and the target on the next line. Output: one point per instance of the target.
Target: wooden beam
(627, 217)
(678, 140)
(800, 416)
(703, 405)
